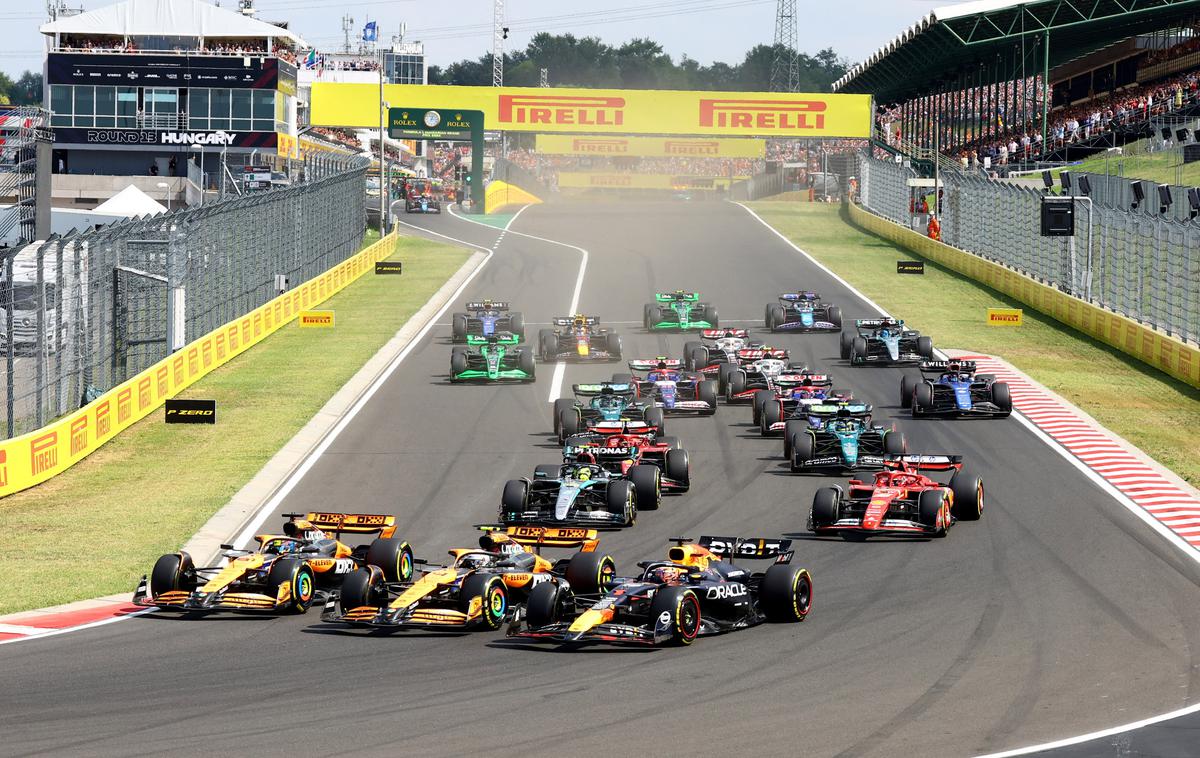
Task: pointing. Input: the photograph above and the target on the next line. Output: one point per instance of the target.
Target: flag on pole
(311, 60)
(370, 32)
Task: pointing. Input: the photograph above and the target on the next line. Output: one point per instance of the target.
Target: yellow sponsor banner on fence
(608, 111)
(35, 457)
(1161, 351)
(1005, 316)
(286, 145)
(316, 319)
(651, 147)
(602, 180)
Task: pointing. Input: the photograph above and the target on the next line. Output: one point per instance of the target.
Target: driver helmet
(474, 561)
(583, 473)
(492, 542)
(667, 574)
(885, 332)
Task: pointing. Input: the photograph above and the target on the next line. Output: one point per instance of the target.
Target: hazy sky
(706, 30)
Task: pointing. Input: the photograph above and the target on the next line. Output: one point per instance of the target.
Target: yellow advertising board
(1005, 316)
(286, 145)
(601, 111)
(47, 452)
(316, 319)
(601, 180)
(650, 147)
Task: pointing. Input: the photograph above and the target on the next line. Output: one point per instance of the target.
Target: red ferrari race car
(901, 500)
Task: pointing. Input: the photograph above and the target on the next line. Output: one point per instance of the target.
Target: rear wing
(624, 427)
(603, 451)
(500, 338)
(487, 305)
(796, 380)
(670, 297)
(872, 323)
(748, 547)
(346, 523)
(937, 367)
(603, 388)
(845, 410)
(717, 334)
(538, 537)
(568, 321)
(670, 364)
(792, 297)
(940, 462)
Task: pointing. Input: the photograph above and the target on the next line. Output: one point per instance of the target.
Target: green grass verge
(1136, 163)
(101, 525)
(1150, 409)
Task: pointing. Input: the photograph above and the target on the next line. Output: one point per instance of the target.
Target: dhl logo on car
(556, 109)
(763, 114)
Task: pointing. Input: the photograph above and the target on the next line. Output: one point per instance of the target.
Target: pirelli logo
(692, 147)
(763, 115)
(611, 180)
(557, 109)
(43, 453)
(600, 146)
(316, 319)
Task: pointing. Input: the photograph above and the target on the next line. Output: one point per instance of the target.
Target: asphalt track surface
(1057, 614)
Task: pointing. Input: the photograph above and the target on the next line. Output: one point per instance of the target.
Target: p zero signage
(600, 112)
(232, 72)
(566, 144)
(171, 137)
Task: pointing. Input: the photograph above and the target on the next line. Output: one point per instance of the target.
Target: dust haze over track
(1058, 613)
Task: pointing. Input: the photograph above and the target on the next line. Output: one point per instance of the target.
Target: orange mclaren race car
(481, 586)
(698, 590)
(287, 571)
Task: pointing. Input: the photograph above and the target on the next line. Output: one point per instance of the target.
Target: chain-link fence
(1143, 266)
(83, 312)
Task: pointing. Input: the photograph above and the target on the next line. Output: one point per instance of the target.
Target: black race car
(573, 494)
(578, 338)
(952, 388)
(698, 590)
(802, 312)
(486, 318)
(884, 341)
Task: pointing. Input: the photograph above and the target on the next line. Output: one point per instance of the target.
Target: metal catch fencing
(1143, 266)
(83, 312)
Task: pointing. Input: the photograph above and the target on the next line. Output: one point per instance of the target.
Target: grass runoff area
(1150, 409)
(1161, 167)
(97, 528)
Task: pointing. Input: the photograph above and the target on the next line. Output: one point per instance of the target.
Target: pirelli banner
(600, 111)
(1161, 351)
(602, 180)
(40, 455)
(651, 147)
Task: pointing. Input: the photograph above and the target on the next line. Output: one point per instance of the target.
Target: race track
(1058, 613)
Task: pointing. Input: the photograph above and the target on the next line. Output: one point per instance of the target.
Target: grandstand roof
(167, 18)
(957, 38)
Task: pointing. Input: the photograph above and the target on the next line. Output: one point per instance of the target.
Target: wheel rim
(404, 567)
(689, 618)
(607, 570)
(802, 594)
(497, 602)
(303, 586)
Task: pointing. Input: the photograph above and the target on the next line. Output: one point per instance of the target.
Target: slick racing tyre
(894, 443)
(546, 605)
(590, 573)
(775, 317)
(678, 468)
(653, 415)
(516, 323)
(771, 414)
(706, 392)
(672, 443)
(393, 556)
(1002, 398)
(613, 342)
(723, 373)
(790, 429)
(515, 498)
(525, 363)
(172, 572)
(650, 316)
(858, 351)
(922, 401)
(785, 593)
(561, 405)
(968, 495)
(678, 610)
(825, 507)
(548, 345)
(458, 362)
(458, 327)
(692, 360)
(711, 315)
(906, 390)
(929, 506)
(925, 347)
(835, 316)
(647, 486)
(493, 595)
(298, 577)
(757, 401)
(802, 451)
(737, 383)
(568, 424)
(622, 501)
(363, 587)
(847, 341)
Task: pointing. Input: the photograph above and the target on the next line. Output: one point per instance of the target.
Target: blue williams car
(844, 439)
(486, 318)
(952, 388)
(802, 312)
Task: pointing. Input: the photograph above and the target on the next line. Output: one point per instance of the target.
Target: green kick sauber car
(679, 311)
(495, 358)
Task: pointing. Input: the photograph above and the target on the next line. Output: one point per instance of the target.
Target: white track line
(268, 508)
(1140, 513)
(560, 368)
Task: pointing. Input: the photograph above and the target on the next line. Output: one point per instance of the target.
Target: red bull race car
(901, 500)
(578, 338)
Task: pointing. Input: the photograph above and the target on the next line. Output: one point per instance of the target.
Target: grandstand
(997, 85)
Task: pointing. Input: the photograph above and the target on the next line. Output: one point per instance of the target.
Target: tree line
(26, 90)
(636, 64)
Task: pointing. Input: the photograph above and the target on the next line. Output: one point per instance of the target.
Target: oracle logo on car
(586, 145)
(691, 147)
(551, 109)
(763, 114)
